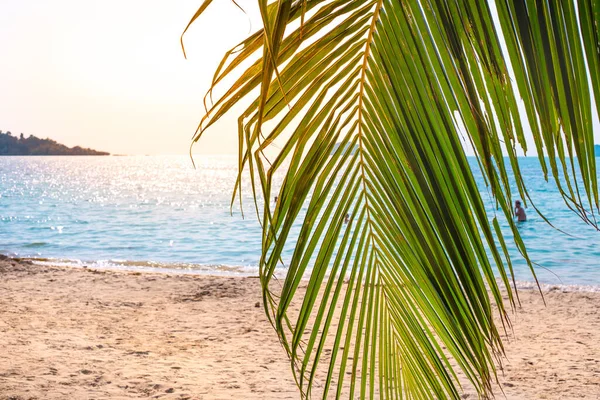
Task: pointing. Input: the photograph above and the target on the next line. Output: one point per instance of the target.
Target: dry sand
(69, 333)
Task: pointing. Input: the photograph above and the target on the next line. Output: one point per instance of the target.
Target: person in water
(520, 212)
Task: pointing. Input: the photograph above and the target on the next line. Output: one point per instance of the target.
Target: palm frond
(402, 297)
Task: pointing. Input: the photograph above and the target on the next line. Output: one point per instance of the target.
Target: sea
(163, 214)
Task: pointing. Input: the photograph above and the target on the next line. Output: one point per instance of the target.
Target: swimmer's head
(518, 203)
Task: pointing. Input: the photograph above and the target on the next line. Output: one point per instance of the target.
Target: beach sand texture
(70, 333)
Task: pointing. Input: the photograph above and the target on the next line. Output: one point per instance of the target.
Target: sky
(111, 74)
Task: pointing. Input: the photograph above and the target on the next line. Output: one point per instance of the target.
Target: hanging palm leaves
(403, 296)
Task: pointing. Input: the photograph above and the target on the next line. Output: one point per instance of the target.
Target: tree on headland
(403, 296)
(33, 146)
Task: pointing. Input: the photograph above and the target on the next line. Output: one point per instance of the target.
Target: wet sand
(71, 333)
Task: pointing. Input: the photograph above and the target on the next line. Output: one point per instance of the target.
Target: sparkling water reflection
(160, 212)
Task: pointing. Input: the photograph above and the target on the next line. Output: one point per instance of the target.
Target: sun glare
(111, 75)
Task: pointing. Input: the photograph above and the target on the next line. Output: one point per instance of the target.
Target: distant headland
(33, 146)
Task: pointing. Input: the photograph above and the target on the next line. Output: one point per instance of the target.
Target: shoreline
(222, 270)
(89, 333)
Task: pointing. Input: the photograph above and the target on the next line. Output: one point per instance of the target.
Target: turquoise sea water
(159, 212)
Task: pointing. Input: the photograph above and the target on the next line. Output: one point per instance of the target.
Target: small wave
(249, 270)
(152, 266)
(547, 287)
(36, 244)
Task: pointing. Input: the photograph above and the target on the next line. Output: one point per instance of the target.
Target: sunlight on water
(125, 208)
(160, 213)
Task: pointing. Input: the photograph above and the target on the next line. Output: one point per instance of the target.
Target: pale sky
(110, 74)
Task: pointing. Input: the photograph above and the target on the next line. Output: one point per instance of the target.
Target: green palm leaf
(402, 297)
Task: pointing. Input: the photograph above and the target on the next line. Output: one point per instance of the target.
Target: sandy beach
(74, 333)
